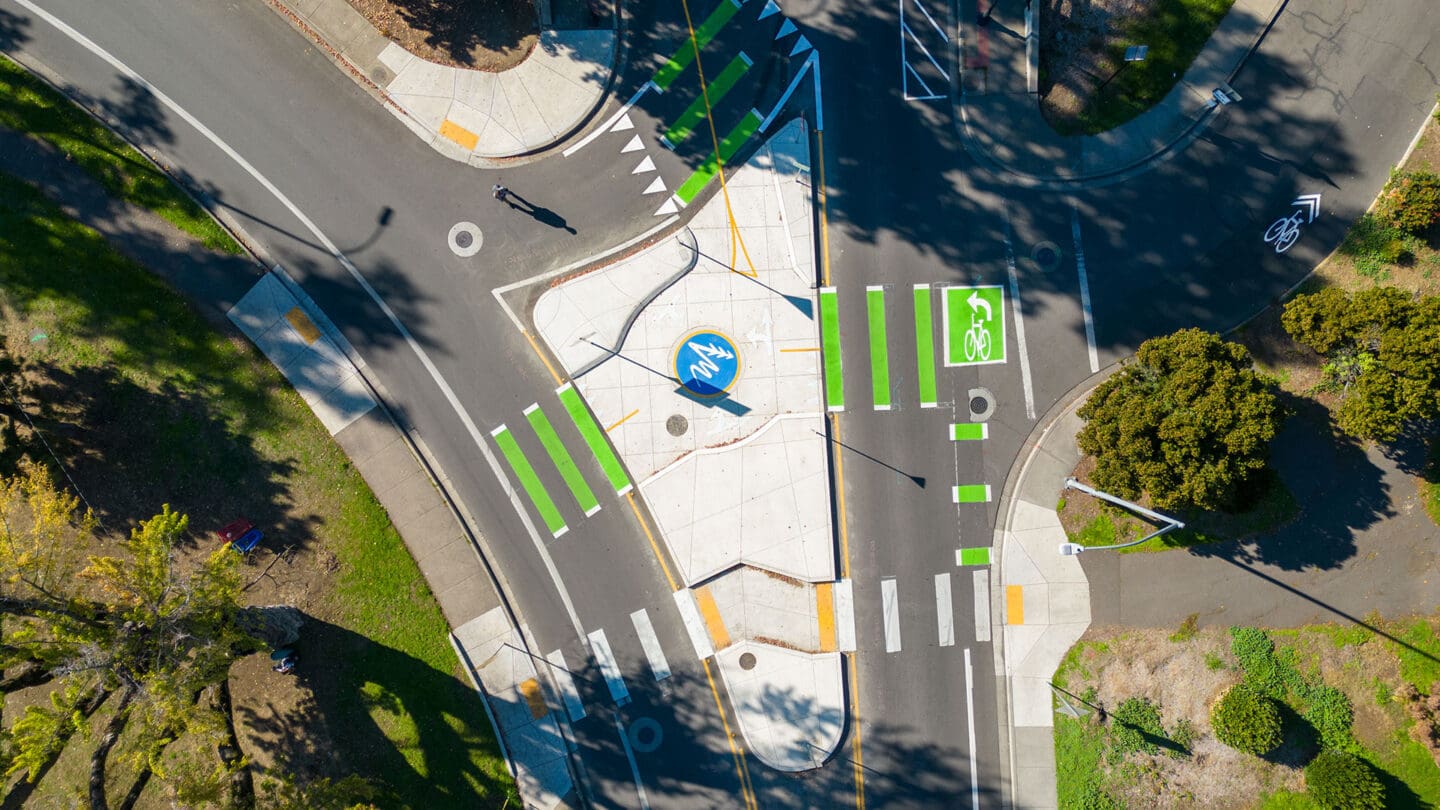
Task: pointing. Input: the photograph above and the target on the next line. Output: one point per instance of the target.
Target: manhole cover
(677, 425)
(747, 661)
(465, 239)
(978, 405)
(1046, 254)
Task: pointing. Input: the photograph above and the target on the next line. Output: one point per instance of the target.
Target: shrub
(1332, 715)
(1411, 200)
(1374, 242)
(1188, 629)
(1341, 781)
(1136, 724)
(1246, 720)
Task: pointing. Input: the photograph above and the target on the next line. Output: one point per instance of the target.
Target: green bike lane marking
(685, 54)
(879, 352)
(971, 493)
(731, 144)
(560, 457)
(925, 346)
(969, 432)
(529, 480)
(975, 556)
(974, 319)
(684, 126)
(830, 345)
(594, 437)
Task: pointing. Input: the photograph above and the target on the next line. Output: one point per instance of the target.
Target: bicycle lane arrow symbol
(1310, 203)
(976, 303)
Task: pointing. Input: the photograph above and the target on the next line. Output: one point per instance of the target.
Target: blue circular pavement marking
(645, 735)
(707, 363)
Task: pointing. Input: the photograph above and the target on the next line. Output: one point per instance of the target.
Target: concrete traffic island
(700, 355)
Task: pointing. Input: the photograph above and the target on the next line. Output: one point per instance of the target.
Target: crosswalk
(592, 438)
(610, 667)
(942, 589)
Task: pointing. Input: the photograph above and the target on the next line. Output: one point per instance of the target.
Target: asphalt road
(1328, 107)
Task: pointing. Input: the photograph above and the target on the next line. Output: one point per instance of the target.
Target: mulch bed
(489, 35)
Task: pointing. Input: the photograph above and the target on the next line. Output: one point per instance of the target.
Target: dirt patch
(488, 35)
(1075, 40)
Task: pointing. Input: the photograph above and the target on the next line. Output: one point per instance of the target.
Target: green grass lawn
(1175, 30)
(29, 105)
(146, 403)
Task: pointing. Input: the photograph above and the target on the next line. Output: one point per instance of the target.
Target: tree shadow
(460, 28)
(13, 31)
(353, 686)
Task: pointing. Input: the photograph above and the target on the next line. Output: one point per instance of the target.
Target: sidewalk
(1002, 127)
(468, 115)
(1045, 602)
(315, 357)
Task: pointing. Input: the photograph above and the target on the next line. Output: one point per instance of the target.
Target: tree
(140, 625)
(1382, 353)
(1187, 421)
(1246, 720)
(1338, 780)
(1411, 200)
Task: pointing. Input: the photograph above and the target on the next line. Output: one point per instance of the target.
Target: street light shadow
(918, 480)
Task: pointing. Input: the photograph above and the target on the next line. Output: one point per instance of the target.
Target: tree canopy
(1188, 421)
(1382, 355)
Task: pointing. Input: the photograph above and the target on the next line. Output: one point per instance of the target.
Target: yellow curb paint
(806, 349)
(530, 688)
(623, 420)
(719, 636)
(1014, 604)
(302, 323)
(655, 547)
(825, 608)
(742, 768)
(543, 358)
(459, 134)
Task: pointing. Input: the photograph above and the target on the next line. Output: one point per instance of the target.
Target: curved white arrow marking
(976, 302)
(710, 350)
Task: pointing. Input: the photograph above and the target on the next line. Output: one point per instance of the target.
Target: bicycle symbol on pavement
(1284, 231)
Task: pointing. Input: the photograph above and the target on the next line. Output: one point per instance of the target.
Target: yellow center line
(824, 226)
(855, 710)
(623, 420)
(840, 498)
(543, 358)
(655, 547)
(742, 770)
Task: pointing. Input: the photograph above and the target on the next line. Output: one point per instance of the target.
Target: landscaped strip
(925, 346)
(685, 54)
(31, 106)
(969, 432)
(594, 437)
(747, 127)
(972, 493)
(879, 349)
(830, 345)
(529, 480)
(562, 460)
(716, 90)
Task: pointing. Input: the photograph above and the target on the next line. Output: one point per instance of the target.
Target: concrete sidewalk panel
(1034, 755)
(790, 705)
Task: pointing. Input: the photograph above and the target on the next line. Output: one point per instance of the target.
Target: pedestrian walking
(499, 192)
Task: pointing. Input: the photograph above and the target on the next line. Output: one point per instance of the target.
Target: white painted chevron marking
(623, 124)
(656, 185)
(633, 146)
(646, 165)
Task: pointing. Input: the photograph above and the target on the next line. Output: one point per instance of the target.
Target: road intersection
(955, 306)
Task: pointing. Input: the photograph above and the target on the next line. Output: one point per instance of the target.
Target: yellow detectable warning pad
(1014, 604)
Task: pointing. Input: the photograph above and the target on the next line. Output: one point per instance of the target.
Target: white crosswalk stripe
(561, 671)
(890, 606)
(944, 611)
(614, 681)
(656, 656)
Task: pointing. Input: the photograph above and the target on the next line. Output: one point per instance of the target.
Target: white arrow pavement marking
(1310, 202)
(711, 350)
(769, 10)
(623, 124)
(633, 146)
(801, 45)
(646, 165)
(658, 184)
(787, 29)
(976, 303)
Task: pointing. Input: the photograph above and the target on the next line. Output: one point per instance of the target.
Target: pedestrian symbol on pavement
(974, 325)
(707, 363)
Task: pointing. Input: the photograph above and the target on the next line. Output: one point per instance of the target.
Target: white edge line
(1084, 290)
(603, 128)
(1019, 323)
(354, 272)
(634, 766)
(970, 717)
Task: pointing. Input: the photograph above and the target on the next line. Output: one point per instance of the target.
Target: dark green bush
(1411, 200)
(1332, 716)
(1246, 720)
(1337, 780)
(1133, 720)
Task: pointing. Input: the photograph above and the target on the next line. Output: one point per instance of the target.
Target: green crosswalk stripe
(975, 556)
(969, 432)
(972, 493)
(529, 480)
(685, 54)
(925, 346)
(560, 457)
(594, 437)
(830, 345)
(731, 144)
(695, 113)
(879, 349)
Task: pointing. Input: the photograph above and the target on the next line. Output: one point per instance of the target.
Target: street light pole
(1171, 524)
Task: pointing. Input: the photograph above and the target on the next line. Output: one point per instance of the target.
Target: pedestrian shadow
(539, 213)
